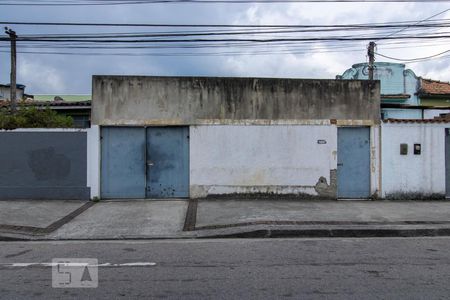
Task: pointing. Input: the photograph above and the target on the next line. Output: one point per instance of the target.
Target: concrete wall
(375, 161)
(280, 159)
(43, 164)
(93, 161)
(412, 176)
(133, 100)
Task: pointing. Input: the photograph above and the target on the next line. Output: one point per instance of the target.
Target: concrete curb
(267, 232)
(321, 233)
(329, 231)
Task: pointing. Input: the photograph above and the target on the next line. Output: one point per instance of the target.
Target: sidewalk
(157, 219)
(290, 218)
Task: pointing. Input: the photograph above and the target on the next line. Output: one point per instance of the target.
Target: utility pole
(371, 54)
(13, 84)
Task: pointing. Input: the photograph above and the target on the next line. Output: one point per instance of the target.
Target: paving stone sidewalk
(156, 219)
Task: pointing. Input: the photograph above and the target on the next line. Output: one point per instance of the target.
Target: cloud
(72, 74)
(44, 78)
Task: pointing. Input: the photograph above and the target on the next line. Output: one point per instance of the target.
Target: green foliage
(32, 117)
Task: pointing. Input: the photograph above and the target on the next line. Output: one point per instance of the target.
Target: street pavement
(347, 268)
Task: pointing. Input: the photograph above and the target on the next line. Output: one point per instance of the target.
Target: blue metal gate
(138, 162)
(167, 162)
(353, 171)
(122, 162)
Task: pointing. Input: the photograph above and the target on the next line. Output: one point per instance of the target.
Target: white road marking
(45, 264)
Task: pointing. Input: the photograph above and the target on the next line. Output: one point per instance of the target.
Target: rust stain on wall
(325, 190)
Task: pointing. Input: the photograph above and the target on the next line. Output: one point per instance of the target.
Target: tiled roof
(434, 87)
(420, 121)
(63, 103)
(67, 98)
(86, 103)
(19, 86)
(395, 96)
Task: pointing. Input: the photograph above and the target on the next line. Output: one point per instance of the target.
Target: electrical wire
(413, 59)
(91, 24)
(263, 39)
(134, 2)
(418, 22)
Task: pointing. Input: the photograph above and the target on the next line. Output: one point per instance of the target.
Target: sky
(69, 74)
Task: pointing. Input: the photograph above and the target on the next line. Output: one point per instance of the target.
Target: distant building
(404, 95)
(434, 94)
(5, 92)
(76, 106)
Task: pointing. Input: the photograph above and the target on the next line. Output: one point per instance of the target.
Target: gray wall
(137, 100)
(43, 165)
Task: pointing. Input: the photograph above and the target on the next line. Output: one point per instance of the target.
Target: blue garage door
(167, 162)
(353, 173)
(140, 162)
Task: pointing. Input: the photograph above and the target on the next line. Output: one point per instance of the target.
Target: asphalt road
(376, 268)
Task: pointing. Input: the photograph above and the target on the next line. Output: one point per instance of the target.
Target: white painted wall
(93, 160)
(425, 173)
(375, 159)
(282, 159)
(431, 113)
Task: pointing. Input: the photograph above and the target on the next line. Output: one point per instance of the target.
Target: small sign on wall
(417, 149)
(403, 149)
(321, 142)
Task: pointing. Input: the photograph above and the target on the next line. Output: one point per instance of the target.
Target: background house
(5, 92)
(435, 95)
(78, 107)
(404, 95)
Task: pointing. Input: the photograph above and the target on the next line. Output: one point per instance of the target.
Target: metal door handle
(149, 163)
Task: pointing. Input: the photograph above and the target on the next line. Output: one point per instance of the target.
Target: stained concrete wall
(43, 164)
(413, 176)
(135, 100)
(280, 159)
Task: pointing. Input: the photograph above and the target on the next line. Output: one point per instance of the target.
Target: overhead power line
(135, 2)
(222, 39)
(89, 24)
(418, 22)
(253, 40)
(413, 59)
